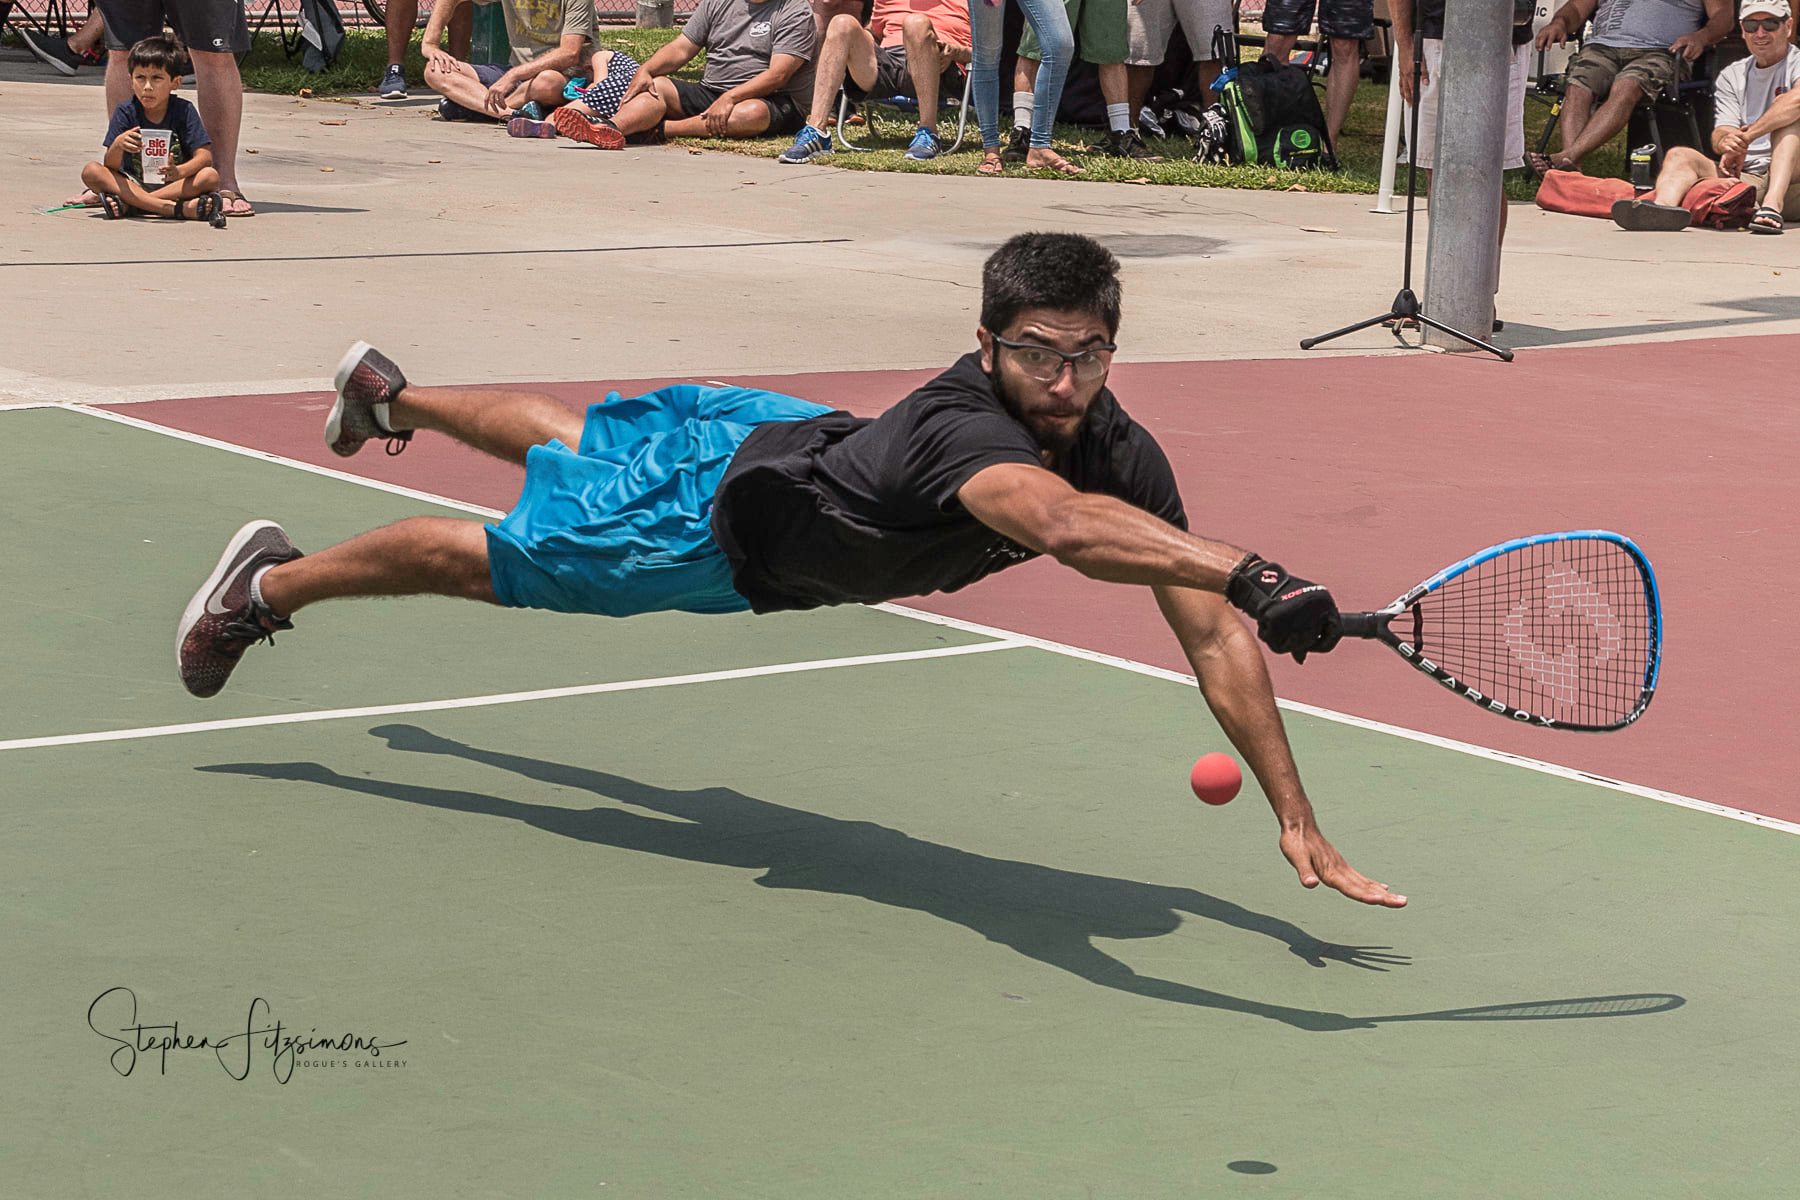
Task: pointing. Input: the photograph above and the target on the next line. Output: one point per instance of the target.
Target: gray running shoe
(393, 84)
(365, 378)
(222, 621)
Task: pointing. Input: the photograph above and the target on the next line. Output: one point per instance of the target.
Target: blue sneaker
(533, 111)
(924, 146)
(809, 144)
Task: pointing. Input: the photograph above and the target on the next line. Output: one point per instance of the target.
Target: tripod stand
(1406, 303)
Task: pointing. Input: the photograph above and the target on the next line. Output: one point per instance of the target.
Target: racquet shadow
(1044, 913)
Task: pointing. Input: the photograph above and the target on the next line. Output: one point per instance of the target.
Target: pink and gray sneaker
(223, 620)
(367, 381)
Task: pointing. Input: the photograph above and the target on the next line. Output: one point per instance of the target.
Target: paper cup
(154, 155)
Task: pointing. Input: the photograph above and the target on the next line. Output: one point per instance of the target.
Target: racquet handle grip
(1364, 624)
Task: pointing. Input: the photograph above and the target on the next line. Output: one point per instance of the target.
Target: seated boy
(757, 81)
(187, 187)
(903, 52)
(551, 41)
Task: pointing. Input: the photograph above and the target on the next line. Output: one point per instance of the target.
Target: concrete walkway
(494, 259)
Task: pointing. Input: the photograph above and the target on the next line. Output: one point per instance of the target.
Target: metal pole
(655, 14)
(1461, 267)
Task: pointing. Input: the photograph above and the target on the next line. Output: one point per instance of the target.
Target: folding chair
(56, 13)
(909, 104)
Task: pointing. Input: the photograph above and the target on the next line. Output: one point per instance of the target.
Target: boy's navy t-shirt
(186, 133)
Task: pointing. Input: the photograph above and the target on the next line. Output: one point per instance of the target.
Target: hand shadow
(1044, 913)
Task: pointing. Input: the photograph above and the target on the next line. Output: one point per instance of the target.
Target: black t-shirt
(1430, 16)
(842, 509)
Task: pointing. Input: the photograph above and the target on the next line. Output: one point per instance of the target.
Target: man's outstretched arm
(1107, 539)
(1235, 682)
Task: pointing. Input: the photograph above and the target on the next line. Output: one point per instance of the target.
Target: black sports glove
(1292, 615)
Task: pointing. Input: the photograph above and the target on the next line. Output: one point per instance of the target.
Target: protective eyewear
(1046, 365)
(1762, 24)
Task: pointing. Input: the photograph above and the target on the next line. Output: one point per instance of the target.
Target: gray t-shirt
(739, 37)
(1743, 92)
(1645, 24)
(536, 27)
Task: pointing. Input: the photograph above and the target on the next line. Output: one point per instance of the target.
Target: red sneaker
(595, 131)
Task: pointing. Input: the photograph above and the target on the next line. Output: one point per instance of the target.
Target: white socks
(1118, 117)
(1024, 104)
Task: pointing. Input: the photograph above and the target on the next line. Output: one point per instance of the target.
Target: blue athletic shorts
(623, 524)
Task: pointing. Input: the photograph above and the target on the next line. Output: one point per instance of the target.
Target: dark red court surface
(1368, 474)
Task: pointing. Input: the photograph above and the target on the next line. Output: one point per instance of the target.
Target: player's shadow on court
(1044, 913)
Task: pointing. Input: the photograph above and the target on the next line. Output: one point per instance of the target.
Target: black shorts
(891, 77)
(695, 98)
(207, 25)
(1337, 18)
(450, 110)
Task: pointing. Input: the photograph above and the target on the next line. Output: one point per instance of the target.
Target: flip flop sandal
(249, 208)
(991, 167)
(1766, 220)
(209, 207)
(113, 208)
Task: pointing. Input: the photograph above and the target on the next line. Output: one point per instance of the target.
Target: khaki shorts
(1597, 67)
(1790, 207)
(1151, 23)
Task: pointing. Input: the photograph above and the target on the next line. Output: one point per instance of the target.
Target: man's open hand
(1318, 861)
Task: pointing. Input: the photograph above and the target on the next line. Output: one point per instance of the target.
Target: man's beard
(1054, 441)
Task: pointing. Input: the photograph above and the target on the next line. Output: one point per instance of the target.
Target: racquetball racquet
(1560, 630)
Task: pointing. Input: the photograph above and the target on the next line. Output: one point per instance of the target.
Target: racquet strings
(1561, 629)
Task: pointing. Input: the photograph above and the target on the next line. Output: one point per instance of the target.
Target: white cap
(1771, 8)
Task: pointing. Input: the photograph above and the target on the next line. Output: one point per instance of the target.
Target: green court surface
(927, 927)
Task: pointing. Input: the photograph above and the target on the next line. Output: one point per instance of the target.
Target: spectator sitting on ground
(217, 25)
(187, 186)
(903, 52)
(551, 41)
(1639, 49)
(758, 76)
(1756, 130)
(612, 72)
(1346, 24)
(69, 54)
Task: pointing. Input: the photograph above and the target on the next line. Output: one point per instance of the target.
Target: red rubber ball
(1216, 778)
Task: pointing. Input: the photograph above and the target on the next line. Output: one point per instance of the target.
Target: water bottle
(1643, 168)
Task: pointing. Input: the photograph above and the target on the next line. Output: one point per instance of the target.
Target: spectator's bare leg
(457, 82)
(1683, 167)
(420, 556)
(402, 16)
(1340, 86)
(158, 203)
(91, 33)
(462, 31)
(1784, 154)
(644, 110)
(545, 88)
(1607, 120)
(827, 11)
(1577, 108)
(1139, 78)
(497, 421)
(118, 79)
(221, 104)
(925, 63)
(1115, 83)
(1279, 45)
(847, 49)
(748, 119)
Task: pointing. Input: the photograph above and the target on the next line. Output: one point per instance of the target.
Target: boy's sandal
(1766, 220)
(111, 207)
(206, 207)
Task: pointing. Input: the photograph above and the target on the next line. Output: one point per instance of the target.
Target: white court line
(421, 706)
(1015, 638)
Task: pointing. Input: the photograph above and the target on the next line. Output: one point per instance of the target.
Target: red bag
(1718, 203)
(1581, 195)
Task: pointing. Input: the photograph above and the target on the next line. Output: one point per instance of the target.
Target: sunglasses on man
(1761, 24)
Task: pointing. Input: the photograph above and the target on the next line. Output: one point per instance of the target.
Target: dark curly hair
(1063, 271)
(162, 53)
